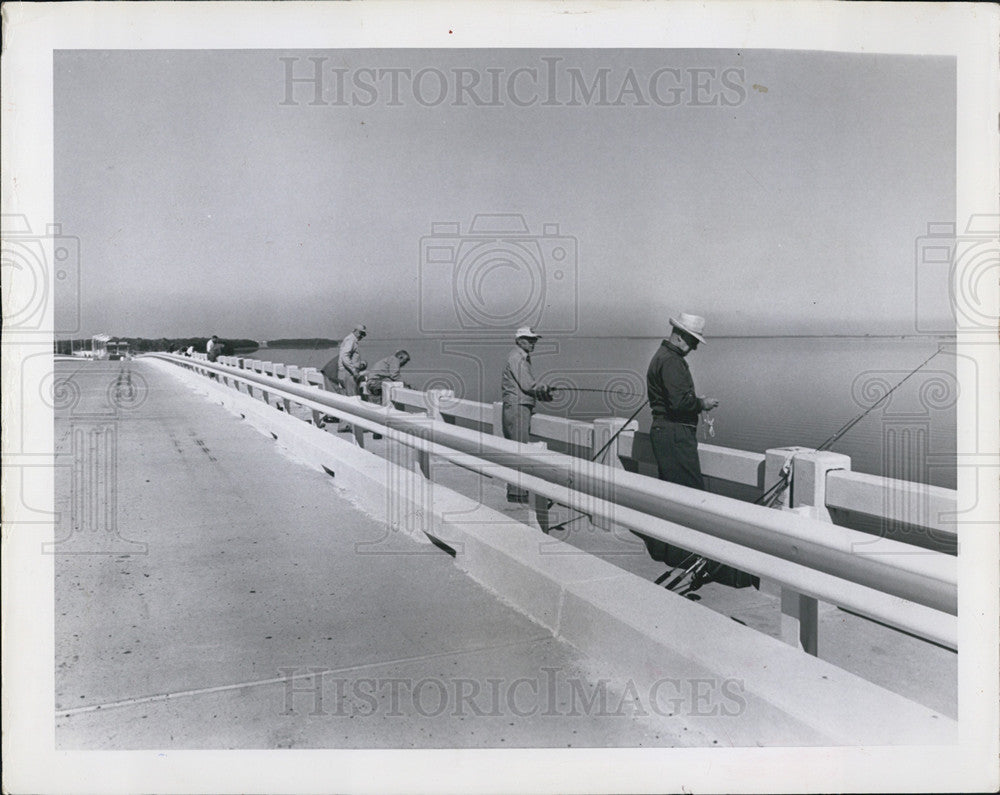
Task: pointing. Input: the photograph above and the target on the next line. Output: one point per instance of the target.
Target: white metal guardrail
(914, 590)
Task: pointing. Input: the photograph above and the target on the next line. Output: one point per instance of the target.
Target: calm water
(773, 391)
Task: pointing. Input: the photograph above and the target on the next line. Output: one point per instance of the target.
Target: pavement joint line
(201, 691)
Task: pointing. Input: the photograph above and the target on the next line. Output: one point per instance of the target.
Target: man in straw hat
(676, 409)
(520, 391)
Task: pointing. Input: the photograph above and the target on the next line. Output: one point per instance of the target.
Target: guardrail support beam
(539, 501)
(435, 399)
(387, 390)
(775, 460)
(806, 494)
(408, 456)
(604, 429)
(800, 621)
(498, 418)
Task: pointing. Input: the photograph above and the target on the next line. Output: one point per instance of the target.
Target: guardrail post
(604, 429)
(805, 494)
(809, 472)
(539, 501)
(498, 418)
(410, 487)
(300, 375)
(280, 371)
(312, 375)
(435, 397)
(800, 621)
(410, 457)
(799, 614)
(775, 460)
(387, 388)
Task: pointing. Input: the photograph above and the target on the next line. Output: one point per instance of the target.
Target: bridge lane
(251, 572)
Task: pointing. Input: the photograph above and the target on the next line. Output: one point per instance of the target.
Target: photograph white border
(32, 32)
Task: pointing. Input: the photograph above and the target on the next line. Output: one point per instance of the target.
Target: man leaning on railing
(383, 370)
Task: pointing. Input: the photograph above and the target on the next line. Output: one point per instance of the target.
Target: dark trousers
(516, 426)
(675, 448)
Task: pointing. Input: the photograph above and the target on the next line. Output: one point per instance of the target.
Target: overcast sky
(773, 192)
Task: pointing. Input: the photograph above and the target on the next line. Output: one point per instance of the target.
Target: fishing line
(621, 392)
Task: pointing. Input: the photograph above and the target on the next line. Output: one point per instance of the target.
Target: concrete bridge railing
(821, 484)
(809, 557)
(921, 506)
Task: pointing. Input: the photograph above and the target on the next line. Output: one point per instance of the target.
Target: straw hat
(525, 331)
(691, 324)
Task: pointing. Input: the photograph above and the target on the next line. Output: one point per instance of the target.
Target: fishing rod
(832, 440)
(702, 569)
(768, 497)
(598, 454)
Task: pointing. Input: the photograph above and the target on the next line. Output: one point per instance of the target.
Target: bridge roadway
(197, 613)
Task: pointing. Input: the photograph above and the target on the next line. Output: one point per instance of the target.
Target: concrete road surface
(212, 593)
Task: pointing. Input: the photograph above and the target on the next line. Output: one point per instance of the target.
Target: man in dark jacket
(676, 408)
(674, 404)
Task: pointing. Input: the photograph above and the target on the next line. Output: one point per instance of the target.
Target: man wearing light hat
(675, 406)
(520, 391)
(676, 409)
(343, 372)
(349, 360)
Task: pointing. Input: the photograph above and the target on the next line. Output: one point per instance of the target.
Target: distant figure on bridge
(343, 373)
(349, 359)
(520, 391)
(383, 370)
(213, 348)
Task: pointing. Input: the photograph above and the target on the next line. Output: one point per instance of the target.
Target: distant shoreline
(312, 342)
